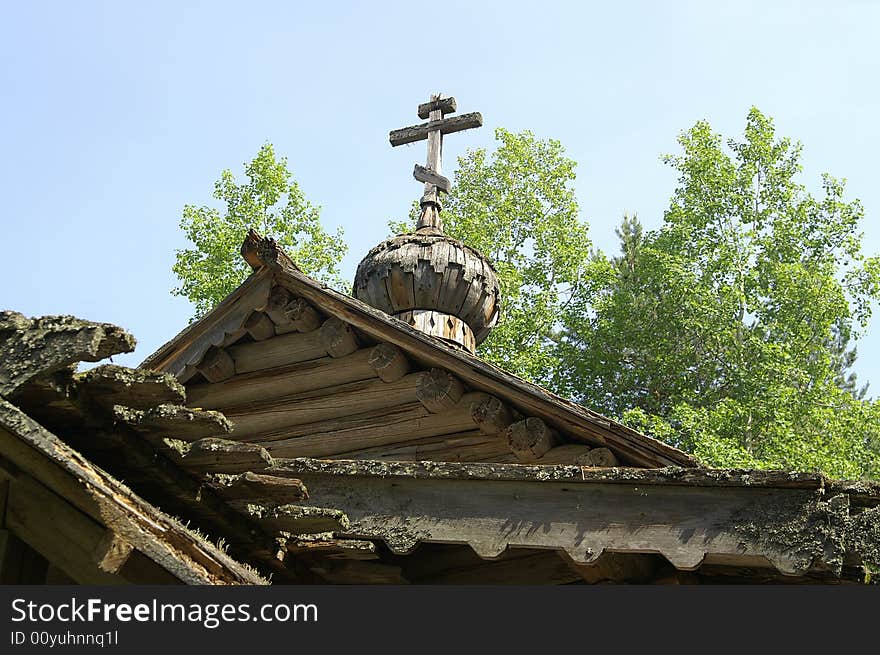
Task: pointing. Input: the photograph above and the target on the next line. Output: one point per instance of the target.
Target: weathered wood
(472, 446)
(440, 325)
(253, 419)
(31, 348)
(444, 125)
(109, 385)
(301, 316)
(577, 422)
(444, 105)
(217, 365)
(582, 517)
(602, 457)
(259, 489)
(58, 531)
(530, 439)
(250, 249)
(163, 540)
(324, 544)
(575, 454)
(259, 326)
(111, 552)
(223, 456)
(283, 381)
(279, 297)
(429, 176)
(295, 519)
(438, 390)
(173, 421)
(492, 416)
(279, 351)
(338, 337)
(358, 572)
(387, 425)
(389, 362)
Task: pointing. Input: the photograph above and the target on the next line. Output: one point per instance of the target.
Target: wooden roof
(305, 383)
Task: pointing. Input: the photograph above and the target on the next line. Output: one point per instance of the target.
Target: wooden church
(300, 435)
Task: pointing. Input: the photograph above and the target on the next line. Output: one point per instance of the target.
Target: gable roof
(224, 326)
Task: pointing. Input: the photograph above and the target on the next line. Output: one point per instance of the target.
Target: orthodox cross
(432, 131)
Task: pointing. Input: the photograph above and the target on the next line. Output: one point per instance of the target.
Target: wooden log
(259, 326)
(445, 125)
(338, 337)
(223, 456)
(216, 365)
(250, 249)
(324, 544)
(529, 440)
(173, 421)
(428, 176)
(111, 552)
(280, 351)
(439, 390)
(320, 405)
(57, 530)
(278, 299)
(472, 446)
(295, 519)
(283, 381)
(369, 429)
(110, 384)
(257, 488)
(492, 416)
(301, 316)
(445, 105)
(602, 457)
(389, 362)
(572, 453)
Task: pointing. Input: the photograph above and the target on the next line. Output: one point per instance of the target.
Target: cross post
(432, 131)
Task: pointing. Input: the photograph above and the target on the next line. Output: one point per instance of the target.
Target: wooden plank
(278, 351)
(223, 456)
(109, 385)
(259, 489)
(283, 381)
(445, 125)
(445, 105)
(58, 531)
(320, 405)
(295, 519)
(429, 176)
(473, 446)
(583, 519)
(173, 422)
(369, 429)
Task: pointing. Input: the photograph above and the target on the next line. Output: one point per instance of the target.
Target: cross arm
(444, 125)
(446, 105)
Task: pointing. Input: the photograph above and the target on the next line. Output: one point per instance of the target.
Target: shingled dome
(427, 279)
(433, 282)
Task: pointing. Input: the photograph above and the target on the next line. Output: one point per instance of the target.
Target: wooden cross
(434, 110)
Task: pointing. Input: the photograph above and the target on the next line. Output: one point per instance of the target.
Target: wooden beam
(259, 489)
(492, 416)
(389, 362)
(282, 381)
(174, 422)
(301, 316)
(438, 390)
(379, 427)
(338, 337)
(473, 446)
(109, 385)
(253, 419)
(259, 326)
(422, 174)
(58, 531)
(602, 457)
(223, 456)
(295, 519)
(445, 105)
(530, 439)
(280, 351)
(575, 454)
(445, 125)
(111, 552)
(217, 365)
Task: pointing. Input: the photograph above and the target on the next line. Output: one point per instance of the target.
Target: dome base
(443, 326)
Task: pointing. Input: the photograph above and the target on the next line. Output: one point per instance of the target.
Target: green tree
(270, 202)
(517, 207)
(726, 331)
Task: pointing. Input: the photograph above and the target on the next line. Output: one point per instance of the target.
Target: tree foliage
(726, 330)
(272, 203)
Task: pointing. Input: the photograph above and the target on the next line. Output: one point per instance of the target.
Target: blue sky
(115, 115)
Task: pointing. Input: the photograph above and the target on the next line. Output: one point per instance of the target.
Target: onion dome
(435, 283)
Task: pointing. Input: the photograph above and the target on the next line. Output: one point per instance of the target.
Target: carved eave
(322, 337)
